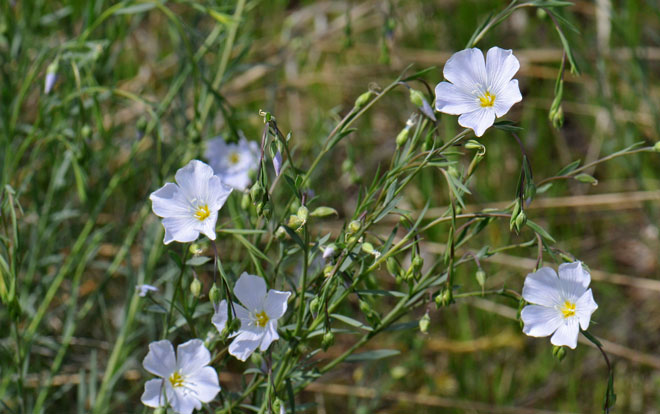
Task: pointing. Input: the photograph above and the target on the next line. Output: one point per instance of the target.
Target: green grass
(142, 85)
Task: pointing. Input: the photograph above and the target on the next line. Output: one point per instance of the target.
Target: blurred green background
(141, 85)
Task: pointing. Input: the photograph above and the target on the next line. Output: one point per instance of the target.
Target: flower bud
(267, 210)
(277, 163)
(556, 116)
(656, 147)
(234, 325)
(245, 201)
(347, 166)
(51, 76)
(256, 359)
(329, 251)
(315, 305)
(559, 352)
(393, 266)
(363, 99)
(328, 340)
(257, 192)
(417, 263)
(402, 138)
(586, 178)
(424, 323)
(521, 220)
(481, 278)
(323, 212)
(214, 293)
(443, 298)
(473, 144)
(295, 222)
(353, 227)
(195, 249)
(195, 287)
(416, 97)
(368, 248)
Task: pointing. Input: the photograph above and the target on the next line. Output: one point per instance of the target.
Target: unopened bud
(195, 249)
(328, 340)
(416, 97)
(481, 277)
(424, 323)
(368, 248)
(267, 210)
(315, 305)
(214, 293)
(245, 201)
(195, 287)
(329, 251)
(444, 298)
(393, 266)
(354, 226)
(295, 222)
(402, 138)
(556, 116)
(363, 99)
(257, 192)
(277, 163)
(521, 220)
(453, 171)
(586, 178)
(559, 352)
(280, 233)
(417, 263)
(323, 212)
(656, 147)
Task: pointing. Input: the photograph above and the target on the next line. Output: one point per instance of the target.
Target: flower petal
(452, 100)
(251, 291)
(540, 320)
(479, 121)
(507, 97)
(467, 70)
(204, 383)
(573, 280)
(167, 202)
(218, 193)
(221, 316)
(567, 333)
(542, 288)
(193, 179)
(153, 393)
(192, 356)
(181, 229)
(208, 225)
(584, 307)
(270, 335)
(501, 65)
(275, 304)
(181, 401)
(238, 181)
(160, 359)
(244, 345)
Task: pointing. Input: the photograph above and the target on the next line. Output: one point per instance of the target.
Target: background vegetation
(141, 85)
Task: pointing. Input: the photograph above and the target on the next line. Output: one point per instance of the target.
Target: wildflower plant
(271, 287)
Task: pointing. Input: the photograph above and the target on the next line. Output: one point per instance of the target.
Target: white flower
(233, 162)
(479, 91)
(560, 305)
(187, 380)
(258, 315)
(144, 289)
(191, 206)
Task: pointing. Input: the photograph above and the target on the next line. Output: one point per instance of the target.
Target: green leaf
(569, 168)
(351, 322)
(198, 261)
(540, 230)
(373, 355)
(418, 75)
(508, 126)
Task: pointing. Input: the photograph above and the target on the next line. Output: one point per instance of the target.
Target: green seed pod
(424, 323)
(443, 298)
(214, 294)
(362, 100)
(267, 211)
(86, 131)
(368, 248)
(656, 147)
(324, 212)
(280, 233)
(402, 138)
(294, 221)
(416, 97)
(417, 263)
(195, 287)
(393, 266)
(195, 249)
(328, 340)
(521, 220)
(586, 178)
(327, 270)
(256, 359)
(353, 227)
(559, 352)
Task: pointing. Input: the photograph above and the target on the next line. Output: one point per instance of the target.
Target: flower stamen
(262, 319)
(176, 379)
(234, 158)
(487, 99)
(202, 212)
(568, 309)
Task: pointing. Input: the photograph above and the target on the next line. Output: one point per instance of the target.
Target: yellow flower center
(568, 309)
(234, 158)
(487, 99)
(176, 379)
(262, 319)
(202, 212)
